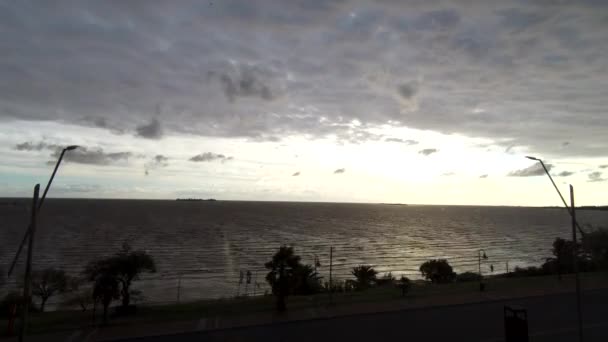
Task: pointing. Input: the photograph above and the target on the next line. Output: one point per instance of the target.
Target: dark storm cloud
(565, 174)
(403, 141)
(533, 170)
(151, 130)
(281, 68)
(338, 171)
(210, 157)
(93, 156)
(296, 174)
(428, 151)
(603, 166)
(596, 176)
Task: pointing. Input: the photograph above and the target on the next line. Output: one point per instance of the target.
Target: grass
(70, 320)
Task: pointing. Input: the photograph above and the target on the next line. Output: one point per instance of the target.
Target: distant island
(196, 199)
(584, 207)
(593, 207)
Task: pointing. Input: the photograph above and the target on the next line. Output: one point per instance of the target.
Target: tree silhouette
(105, 290)
(282, 274)
(437, 271)
(365, 275)
(125, 266)
(49, 282)
(404, 284)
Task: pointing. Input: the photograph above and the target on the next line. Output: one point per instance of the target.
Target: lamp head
(532, 158)
(71, 147)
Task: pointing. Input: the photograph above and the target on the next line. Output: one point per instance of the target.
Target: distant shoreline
(15, 200)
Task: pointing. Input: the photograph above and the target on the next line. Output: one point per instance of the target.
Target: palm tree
(366, 276)
(307, 280)
(281, 276)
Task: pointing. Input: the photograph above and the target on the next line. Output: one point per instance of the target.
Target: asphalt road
(550, 318)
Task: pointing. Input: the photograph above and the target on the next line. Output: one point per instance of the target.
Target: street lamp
(481, 254)
(572, 212)
(37, 208)
(29, 237)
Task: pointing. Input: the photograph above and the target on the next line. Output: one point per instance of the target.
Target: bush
(467, 276)
(386, 279)
(438, 271)
(531, 271)
(13, 298)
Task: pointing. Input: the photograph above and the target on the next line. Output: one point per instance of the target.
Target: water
(207, 244)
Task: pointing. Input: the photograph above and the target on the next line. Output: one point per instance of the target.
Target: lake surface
(201, 247)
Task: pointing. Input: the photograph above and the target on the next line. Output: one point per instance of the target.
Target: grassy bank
(420, 291)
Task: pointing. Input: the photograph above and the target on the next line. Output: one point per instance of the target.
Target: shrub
(467, 276)
(13, 298)
(386, 279)
(438, 271)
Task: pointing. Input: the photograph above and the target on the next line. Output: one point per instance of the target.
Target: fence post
(179, 287)
(331, 259)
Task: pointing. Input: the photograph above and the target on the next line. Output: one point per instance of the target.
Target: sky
(422, 102)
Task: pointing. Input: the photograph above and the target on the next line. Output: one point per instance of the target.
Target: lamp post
(29, 237)
(575, 225)
(570, 210)
(481, 254)
(39, 205)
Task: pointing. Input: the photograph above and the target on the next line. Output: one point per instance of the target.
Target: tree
(562, 262)
(82, 298)
(404, 284)
(105, 290)
(282, 274)
(49, 282)
(438, 271)
(365, 275)
(595, 244)
(125, 266)
(306, 280)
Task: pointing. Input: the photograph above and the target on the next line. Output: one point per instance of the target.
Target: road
(551, 318)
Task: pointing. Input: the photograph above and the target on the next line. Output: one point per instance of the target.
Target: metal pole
(28, 266)
(179, 286)
(570, 210)
(576, 274)
(331, 259)
(48, 185)
(479, 263)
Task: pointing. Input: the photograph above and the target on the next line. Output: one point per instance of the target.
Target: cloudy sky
(364, 101)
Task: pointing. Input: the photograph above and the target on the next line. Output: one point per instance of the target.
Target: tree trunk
(281, 307)
(126, 297)
(42, 303)
(106, 304)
